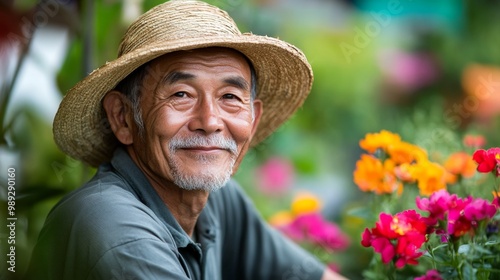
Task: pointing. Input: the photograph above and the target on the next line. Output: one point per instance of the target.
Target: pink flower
(275, 176)
(474, 141)
(409, 70)
(430, 275)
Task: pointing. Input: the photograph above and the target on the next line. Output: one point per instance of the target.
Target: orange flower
(382, 140)
(403, 152)
(404, 172)
(461, 163)
(480, 83)
(372, 175)
(431, 177)
(281, 218)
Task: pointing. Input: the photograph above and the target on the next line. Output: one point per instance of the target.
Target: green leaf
(361, 212)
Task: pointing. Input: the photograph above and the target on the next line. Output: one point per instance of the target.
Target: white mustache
(215, 140)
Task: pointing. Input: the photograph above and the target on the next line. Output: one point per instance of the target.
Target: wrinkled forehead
(212, 53)
(230, 60)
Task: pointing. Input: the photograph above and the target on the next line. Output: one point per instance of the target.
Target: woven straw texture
(284, 77)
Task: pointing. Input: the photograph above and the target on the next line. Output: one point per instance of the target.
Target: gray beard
(204, 180)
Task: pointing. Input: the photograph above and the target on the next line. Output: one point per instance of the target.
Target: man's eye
(229, 96)
(179, 94)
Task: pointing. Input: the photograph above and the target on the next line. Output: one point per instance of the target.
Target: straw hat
(284, 77)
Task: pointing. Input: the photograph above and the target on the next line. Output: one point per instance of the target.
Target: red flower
(397, 238)
(385, 248)
(487, 160)
(408, 250)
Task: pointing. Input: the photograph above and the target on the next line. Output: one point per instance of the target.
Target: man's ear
(117, 110)
(257, 110)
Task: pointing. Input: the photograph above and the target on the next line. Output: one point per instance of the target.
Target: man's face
(198, 117)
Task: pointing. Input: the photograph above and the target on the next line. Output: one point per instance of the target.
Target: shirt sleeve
(254, 250)
(140, 259)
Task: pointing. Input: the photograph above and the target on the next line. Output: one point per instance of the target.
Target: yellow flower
(304, 203)
(431, 177)
(382, 140)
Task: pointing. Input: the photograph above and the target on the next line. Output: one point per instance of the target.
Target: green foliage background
(349, 99)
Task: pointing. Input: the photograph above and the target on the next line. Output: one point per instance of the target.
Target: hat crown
(174, 20)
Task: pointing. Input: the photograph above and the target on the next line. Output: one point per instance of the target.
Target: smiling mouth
(204, 149)
(204, 145)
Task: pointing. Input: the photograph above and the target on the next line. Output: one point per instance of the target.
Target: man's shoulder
(103, 207)
(98, 224)
(105, 191)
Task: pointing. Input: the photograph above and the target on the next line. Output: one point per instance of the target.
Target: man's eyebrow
(238, 82)
(176, 76)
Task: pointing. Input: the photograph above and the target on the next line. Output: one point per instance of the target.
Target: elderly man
(168, 123)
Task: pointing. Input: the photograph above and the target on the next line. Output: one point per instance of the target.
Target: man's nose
(206, 117)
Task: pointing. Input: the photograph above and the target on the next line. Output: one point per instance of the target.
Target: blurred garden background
(428, 70)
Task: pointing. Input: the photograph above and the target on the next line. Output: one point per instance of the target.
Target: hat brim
(284, 79)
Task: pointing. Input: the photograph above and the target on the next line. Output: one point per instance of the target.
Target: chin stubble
(204, 180)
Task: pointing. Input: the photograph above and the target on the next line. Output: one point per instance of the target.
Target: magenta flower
(479, 209)
(462, 214)
(496, 201)
(276, 176)
(430, 275)
(314, 228)
(458, 224)
(437, 205)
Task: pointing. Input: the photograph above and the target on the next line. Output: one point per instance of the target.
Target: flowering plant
(449, 233)
(305, 225)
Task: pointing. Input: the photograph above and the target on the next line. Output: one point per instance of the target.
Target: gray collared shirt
(117, 227)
